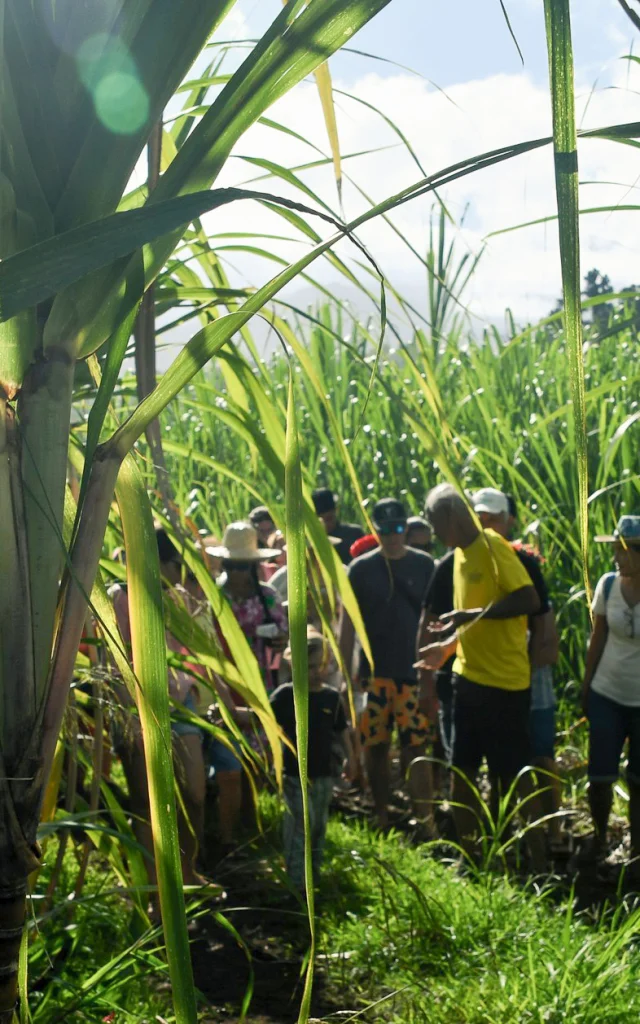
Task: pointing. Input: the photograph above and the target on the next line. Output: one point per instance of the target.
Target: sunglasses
(230, 566)
(386, 529)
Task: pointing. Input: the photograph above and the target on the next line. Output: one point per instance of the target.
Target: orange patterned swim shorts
(389, 701)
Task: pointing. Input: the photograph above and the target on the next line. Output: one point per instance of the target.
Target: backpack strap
(609, 580)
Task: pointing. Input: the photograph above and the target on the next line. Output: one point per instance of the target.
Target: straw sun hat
(240, 544)
(315, 640)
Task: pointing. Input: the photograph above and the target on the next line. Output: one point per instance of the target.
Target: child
(327, 722)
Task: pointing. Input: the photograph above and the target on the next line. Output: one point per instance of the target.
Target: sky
(462, 90)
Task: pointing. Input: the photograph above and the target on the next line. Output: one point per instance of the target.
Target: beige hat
(314, 639)
(240, 544)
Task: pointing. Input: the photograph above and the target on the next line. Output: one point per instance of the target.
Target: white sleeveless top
(618, 673)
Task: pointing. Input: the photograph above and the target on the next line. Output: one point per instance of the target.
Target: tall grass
(504, 401)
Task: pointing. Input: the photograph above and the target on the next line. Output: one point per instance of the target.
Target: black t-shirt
(439, 598)
(326, 719)
(390, 595)
(348, 533)
(532, 565)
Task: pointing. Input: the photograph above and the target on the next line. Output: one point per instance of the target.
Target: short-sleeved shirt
(532, 565)
(491, 652)
(618, 673)
(439, 598)
(348, 533)
(390, 594)
(255, 611)
(326, 720)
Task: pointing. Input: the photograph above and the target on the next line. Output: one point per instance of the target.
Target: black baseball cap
(324, 500)
(388, 510)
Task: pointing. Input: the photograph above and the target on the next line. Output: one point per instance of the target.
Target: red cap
(364, 544)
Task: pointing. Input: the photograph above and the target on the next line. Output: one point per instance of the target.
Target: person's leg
(321, 792)
(360, 703)
(134, 767)
(445, 724)
(549, 782)
(542, 726)
(531, 810)
(439, 771)
(467, 811)
(229, 805)
(377, 764)
(293, 831)
(248, 815)
(191, 774)
(418, 773)
(600, 804)
(466, 754)
(376, 735)
(633, 782)
(228, 775)
(634, 817)
(607, 733)
(509, 755)
(413, 732)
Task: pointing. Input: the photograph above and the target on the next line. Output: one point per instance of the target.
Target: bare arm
(596, 647)
(544, 645)
(524, 601)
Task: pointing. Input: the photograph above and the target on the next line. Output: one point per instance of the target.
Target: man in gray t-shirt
(390, 584)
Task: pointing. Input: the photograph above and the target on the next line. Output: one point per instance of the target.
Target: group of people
(455, 654)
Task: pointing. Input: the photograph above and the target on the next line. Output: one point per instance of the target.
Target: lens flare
(121, 102)
(109, 73)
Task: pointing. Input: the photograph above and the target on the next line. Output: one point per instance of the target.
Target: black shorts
(493, 723)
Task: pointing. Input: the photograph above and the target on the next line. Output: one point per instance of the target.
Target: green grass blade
(616, 208)
(150, 665)
(297, 577)
(558, 26)
(43, 270)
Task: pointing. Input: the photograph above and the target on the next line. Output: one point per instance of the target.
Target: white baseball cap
(492, 501)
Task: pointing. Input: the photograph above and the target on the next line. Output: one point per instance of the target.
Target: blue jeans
(320, 791)
(610, 724)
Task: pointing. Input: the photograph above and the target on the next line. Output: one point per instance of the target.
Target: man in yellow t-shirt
(493, 597)
(491, 651)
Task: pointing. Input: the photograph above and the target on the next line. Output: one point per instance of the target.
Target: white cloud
(520, 270)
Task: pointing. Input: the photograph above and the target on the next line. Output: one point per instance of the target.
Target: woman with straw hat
(611, 689)
(255, 604)
(263, 620)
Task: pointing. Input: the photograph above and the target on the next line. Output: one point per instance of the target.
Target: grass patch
(92, 956)
(404, 938)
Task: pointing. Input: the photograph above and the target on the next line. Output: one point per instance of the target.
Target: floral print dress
(250, 613)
